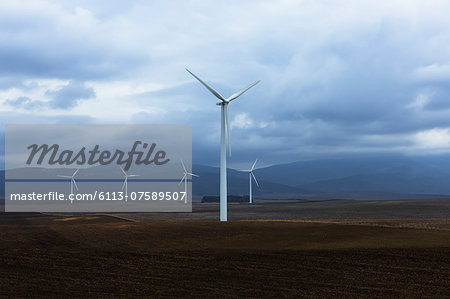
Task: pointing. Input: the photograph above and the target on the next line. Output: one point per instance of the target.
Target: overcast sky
(337, 77)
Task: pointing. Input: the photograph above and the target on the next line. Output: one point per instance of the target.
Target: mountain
(206, 184)
(238, 183)
(423, 175)
(385, 176)
(306, 172)
(407, 178)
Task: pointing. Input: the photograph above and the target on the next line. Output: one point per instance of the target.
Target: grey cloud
(35, 118)
(432, 73)
(328, 84)
(65, 97)
(69, 95)
(438, 96)
(7, 82)
(26, 103)
(49, 41)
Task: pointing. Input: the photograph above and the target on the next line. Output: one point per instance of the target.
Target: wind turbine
(125, 182)
(224, 122)
(250, 175)
(186, 173)
(72, 181)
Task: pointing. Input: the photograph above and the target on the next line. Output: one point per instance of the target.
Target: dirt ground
(429, 213)
(287, 253)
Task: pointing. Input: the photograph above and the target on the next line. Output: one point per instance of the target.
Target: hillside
(419, 175)
(388, 175)
(238, 183)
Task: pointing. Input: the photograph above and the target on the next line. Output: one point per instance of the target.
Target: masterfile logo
(52, 155)
(98, 168)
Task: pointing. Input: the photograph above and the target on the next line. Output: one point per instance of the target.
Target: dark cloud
(7, 82)
(25, 103)
(45, 40)
(65, 64)
(366, 81)
(65, 97)
(69, 95)
(34, 118)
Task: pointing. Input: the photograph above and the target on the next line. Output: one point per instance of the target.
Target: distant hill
(206, 184)
(423, 175)
(238, 183)
(390, 177)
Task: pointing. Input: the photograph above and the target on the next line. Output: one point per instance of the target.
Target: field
(289, 255)
(429, 213)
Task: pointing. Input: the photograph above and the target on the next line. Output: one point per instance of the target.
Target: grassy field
(104, 256)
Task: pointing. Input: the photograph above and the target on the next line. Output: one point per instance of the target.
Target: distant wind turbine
(223, 158)
(250, 175)
(72, 181)
(125, 182)
(186, 173)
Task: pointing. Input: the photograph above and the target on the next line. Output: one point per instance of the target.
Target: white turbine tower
(186, 173)
(125, 182)
(224, 122)
(250, 175)
(72, 181)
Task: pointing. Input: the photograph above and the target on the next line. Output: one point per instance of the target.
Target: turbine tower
(223, 151)
(250, 175)
(72, 181)
(186, 173)
(125, 182)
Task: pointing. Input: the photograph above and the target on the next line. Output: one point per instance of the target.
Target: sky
(338, 78)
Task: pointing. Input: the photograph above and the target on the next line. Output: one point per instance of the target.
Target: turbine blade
(75, 183)
(253, 167)
(65, 176)
(239, 93)
(184, 167)
(75, 172)
(182, 179)
(209, 87)
(228, 129)
(124, 183)
(193, 174)
(123, 171)
(255, 179)
(131, 175)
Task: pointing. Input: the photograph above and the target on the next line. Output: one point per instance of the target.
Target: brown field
(105, 256)
(429, 213)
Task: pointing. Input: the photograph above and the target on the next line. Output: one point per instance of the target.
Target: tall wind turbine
(250, 175)
(125, 182)
(72, 181)
(186, 173)
(223, 151)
